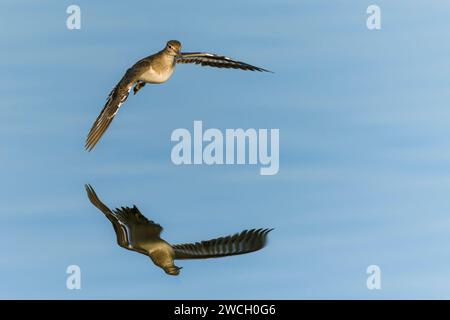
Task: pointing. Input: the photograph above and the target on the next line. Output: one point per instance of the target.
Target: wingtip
(265, 70)
(266, 231)
(88, 146)
(88, 188)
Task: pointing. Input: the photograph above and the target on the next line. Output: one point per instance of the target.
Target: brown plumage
(157, 68)
(135, 232)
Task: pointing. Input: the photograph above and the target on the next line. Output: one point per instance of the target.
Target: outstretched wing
(120, 229)
(240, 243)
(213, 60)
(116, 98)
(129, 224)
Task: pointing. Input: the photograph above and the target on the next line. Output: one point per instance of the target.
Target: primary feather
(239, 243)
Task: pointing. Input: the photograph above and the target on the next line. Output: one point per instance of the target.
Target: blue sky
(364, 148)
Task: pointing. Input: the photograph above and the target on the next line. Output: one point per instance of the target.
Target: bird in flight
(157, 68)
(135, 232)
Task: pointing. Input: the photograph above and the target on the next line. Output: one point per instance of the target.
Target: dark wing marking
(120, 230)
(116, 98)
(133, 217)
(213, 60)
(125, 221)
(240, 243)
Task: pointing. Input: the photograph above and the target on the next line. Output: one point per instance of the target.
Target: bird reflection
(135, 232)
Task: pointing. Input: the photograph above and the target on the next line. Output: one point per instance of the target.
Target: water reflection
(135, 232)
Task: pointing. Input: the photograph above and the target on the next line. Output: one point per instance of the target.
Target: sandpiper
(135, 232)
(157, 68)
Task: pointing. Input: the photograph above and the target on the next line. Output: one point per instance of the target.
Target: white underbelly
(151, 76)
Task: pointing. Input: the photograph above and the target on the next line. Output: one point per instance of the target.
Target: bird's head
(173, 270)
(173, 47)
